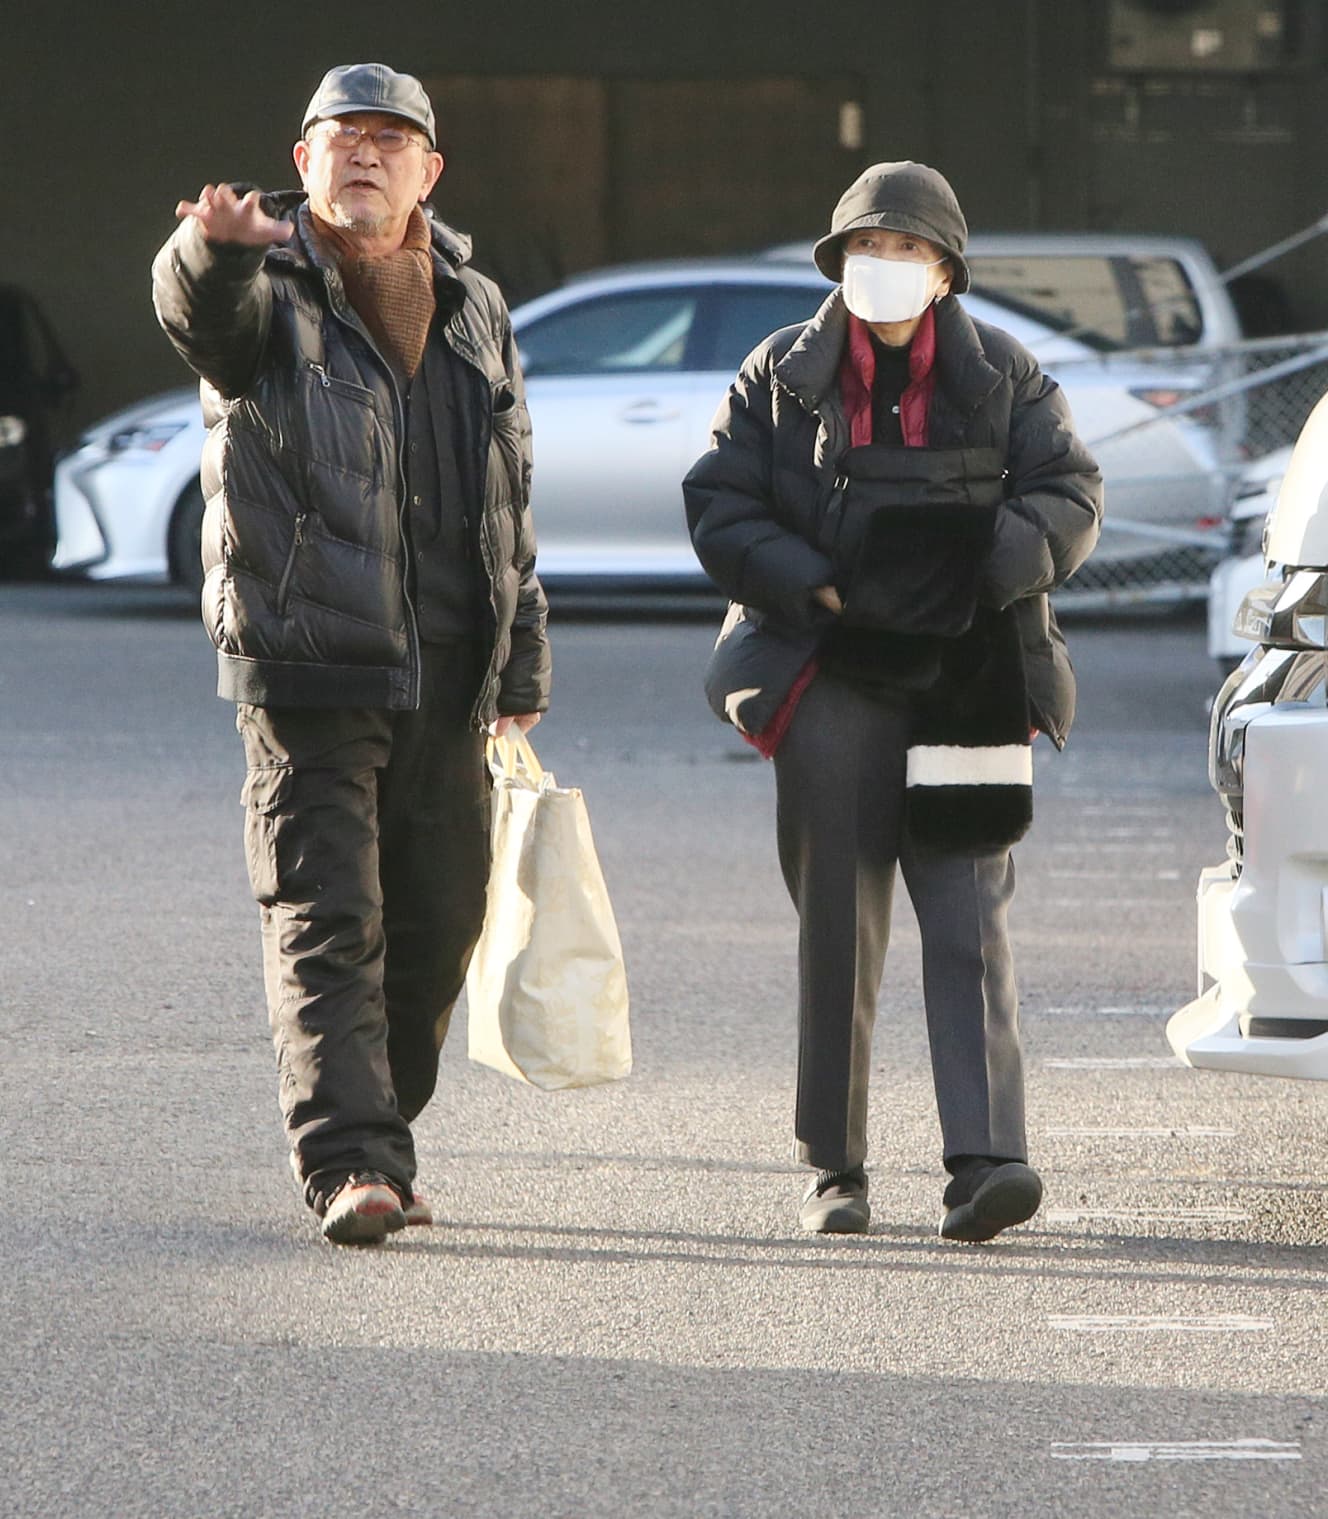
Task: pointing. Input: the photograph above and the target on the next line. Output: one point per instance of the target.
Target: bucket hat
(904, 197)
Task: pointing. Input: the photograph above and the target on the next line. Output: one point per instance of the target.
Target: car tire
(184, 547)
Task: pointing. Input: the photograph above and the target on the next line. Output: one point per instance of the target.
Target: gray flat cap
(371, 87)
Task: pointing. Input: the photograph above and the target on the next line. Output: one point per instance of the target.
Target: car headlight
(147, 437)
(13, 430)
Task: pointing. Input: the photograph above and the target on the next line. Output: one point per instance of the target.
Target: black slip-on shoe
(364, 1209)
(836, 1203)
(987, 1197)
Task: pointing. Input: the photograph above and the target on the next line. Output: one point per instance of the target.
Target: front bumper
(112, 515)
(1262, 1006)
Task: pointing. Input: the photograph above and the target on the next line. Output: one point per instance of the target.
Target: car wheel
(185, 546)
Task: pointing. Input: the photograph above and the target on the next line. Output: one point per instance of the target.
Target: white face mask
(886, 289)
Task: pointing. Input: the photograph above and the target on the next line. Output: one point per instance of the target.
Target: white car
(128, 504)
(625, 368)
(1262, 1003)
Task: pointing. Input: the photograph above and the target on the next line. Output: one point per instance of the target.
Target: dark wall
(114, 112)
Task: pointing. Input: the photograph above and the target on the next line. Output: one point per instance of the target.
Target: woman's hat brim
(828, 253)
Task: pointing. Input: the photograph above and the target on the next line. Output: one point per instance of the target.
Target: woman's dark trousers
(367, 842)
(840, 774)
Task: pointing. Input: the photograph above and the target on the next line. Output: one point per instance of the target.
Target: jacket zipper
(466, 353)
(833, 513)
(283, 585)
(399, 410)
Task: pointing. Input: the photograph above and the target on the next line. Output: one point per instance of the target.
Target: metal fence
(1173, 472)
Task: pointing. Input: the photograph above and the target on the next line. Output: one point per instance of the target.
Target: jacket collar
(963, 370)
(810, 369)
(450, 249)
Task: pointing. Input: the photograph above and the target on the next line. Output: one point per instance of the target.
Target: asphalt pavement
(616, 1314)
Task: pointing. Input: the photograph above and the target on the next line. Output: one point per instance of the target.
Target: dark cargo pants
(840, 774)
(367, 842)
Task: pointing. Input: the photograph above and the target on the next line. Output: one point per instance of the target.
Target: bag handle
(513, 752)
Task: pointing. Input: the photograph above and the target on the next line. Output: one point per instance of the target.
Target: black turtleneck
(890, 383)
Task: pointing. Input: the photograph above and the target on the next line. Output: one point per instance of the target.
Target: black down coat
(305, 592)
(756, 501)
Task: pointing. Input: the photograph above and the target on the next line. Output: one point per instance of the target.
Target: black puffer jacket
(755, 501)
(304, 549)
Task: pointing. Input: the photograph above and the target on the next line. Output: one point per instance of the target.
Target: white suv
(1262, 1003)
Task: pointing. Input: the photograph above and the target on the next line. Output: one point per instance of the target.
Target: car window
(736, 318)
(1108, 302)
(611, 334)
(1169, 299)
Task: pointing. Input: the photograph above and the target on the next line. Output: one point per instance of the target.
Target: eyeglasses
(344, 136)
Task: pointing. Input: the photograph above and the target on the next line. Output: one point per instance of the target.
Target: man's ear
(434, 164)
(300, 153)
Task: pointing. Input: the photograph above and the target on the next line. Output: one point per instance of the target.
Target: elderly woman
(890, 492)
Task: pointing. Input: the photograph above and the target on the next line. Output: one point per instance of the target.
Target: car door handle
(648, 411)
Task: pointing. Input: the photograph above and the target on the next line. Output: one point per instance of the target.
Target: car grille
(1235, 810)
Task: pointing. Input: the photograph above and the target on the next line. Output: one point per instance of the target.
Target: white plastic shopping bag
(547, 990)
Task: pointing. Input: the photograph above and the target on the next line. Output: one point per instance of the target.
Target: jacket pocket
(336, 428)
(347, 388)
(509, 430)
(288, 569)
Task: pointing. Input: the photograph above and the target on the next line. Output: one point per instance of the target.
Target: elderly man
(370, 587)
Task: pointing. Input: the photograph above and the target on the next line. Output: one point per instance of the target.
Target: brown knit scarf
(393, 294)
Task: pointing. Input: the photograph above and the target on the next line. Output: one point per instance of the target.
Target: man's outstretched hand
(230, 218)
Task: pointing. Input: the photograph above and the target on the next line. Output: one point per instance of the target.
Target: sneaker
(836, 1203)
(418, 1213)
(364, 1209)
(986, 1196)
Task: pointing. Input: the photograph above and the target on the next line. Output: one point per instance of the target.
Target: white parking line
(1115, 1063)
(1103, 1012)
(1178, 1133)
(1122, 809)
(1119, 843)
(1106, 875)
(1146, 1216)
(1154, 1323)
(1131, 831)
(1178, 1450)
(1120, 904)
